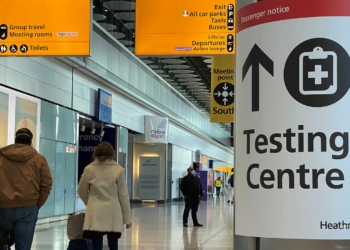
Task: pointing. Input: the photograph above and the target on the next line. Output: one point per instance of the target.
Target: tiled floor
(159, 227)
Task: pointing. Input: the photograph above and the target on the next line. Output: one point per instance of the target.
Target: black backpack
(4, 238)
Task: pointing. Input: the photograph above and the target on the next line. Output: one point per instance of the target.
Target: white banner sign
(292, 176)
(156, 129)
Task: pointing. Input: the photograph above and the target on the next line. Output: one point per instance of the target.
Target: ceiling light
(106, 10)
(177, 66)
(182, 71)
(82, 128)
(117, 35)
(120, 5)
(168, 57)
(195, 87)
(108, 26)
(186, 75)
(102, 133)
(126, 16)
(93, 130)
(99, 17)
(130, 25)
(194, 83)
(173, 61)
(147, 61)
(126, 42)
(190, 80)
(207, 61)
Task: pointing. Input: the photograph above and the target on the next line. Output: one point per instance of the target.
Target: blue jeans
(21, 223)
(97, 243)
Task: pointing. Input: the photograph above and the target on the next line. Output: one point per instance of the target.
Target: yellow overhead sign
(183, 27)
(224, 169)
(45, 28)
(222, 89)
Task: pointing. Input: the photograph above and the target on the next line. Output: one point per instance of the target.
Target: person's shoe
(231, 202)
(228, 202)
(197, 225)
(185, 225)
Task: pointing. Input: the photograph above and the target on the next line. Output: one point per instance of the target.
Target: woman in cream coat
(103, 190)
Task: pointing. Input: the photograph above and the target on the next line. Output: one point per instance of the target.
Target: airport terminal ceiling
(190, 76)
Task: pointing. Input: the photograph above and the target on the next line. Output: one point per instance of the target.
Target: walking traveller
(103, 189)
(25, 184)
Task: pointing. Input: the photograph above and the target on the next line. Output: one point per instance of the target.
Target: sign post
(291, 129)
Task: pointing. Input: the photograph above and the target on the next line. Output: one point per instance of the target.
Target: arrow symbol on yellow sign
(256, 58)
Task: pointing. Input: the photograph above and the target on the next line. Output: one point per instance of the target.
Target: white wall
(181, 160)
(183, 138)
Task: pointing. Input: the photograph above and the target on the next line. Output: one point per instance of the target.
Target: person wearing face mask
(191, 189)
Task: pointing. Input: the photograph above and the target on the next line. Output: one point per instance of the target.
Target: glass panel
(4, 105)
(66, 125)
(48, 149)
(60, 176)
(26, 116)
(48, 120)
(70, 192)
(123, 146)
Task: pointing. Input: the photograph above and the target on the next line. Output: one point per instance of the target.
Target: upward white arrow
(225, 87)
(225, 100)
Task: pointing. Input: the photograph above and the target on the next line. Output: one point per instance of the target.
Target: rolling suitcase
(75, 233)
(80, 244)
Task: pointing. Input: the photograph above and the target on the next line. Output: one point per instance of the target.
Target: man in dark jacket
(25, 184)
(191, 189)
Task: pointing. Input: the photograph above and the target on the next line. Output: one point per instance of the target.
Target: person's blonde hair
(104, 151)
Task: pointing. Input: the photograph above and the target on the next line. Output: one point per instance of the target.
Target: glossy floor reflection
(159, 227)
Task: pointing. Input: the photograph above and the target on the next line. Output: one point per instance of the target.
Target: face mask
(193, 172)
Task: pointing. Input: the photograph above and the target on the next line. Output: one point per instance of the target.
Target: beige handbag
(75, 226)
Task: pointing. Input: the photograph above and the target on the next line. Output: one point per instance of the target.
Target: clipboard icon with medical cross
(318, 72)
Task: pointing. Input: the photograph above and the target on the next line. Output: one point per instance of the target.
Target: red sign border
(297, 9)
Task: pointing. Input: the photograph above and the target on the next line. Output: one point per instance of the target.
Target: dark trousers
(191, 203)
(218, 191)
(97, 243)
(21, 223)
